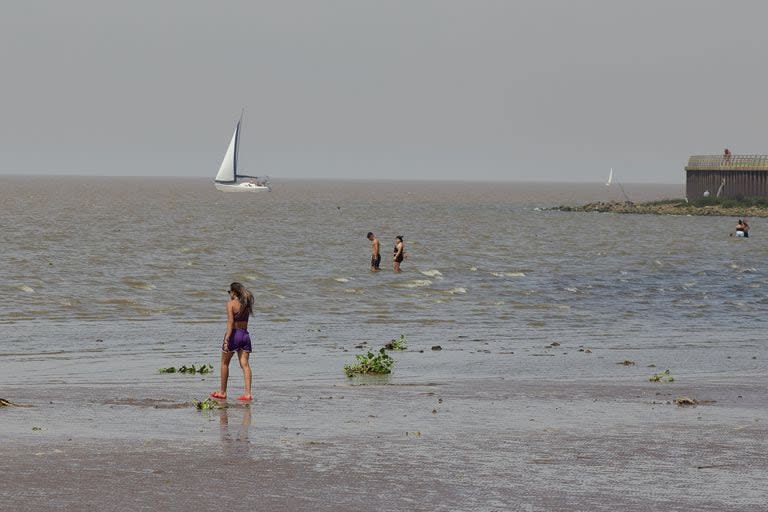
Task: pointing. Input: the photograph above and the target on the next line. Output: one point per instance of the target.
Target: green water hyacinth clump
(203, 368)
(659, 377)
(207, 404)
(372, 362)
(397, 344)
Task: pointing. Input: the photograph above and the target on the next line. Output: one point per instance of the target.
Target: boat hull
(241, 187)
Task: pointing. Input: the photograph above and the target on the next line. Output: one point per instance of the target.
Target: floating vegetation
(207, 404)
(684, 401)
(37, 429)
(627, 362)
(397, 344)
(6, 403)
(660, 377)
(372, 362)
(437, 347)
(203, 368)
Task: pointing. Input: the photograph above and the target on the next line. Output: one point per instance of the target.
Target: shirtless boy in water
(375, 253)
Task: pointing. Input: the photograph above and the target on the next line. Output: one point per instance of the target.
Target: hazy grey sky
(506, 90)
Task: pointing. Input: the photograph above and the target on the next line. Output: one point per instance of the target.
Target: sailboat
(229, 179)
(610, 178)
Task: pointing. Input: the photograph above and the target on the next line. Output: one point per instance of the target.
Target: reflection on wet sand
(233, 441)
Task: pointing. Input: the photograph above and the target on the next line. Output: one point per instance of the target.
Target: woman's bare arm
(230, 323)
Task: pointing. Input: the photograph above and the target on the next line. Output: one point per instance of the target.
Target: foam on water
(508, 274)
(416, 283)
(432, 273)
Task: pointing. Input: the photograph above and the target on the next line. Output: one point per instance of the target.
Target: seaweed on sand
(203, 368)
(372, 362)
(659, 377)
(207, 404)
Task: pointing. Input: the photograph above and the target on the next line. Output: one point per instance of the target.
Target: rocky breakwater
(672, 207)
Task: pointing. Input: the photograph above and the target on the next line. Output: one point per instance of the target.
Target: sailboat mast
(237, 142)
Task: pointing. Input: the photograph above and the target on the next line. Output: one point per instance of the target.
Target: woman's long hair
(244, 297)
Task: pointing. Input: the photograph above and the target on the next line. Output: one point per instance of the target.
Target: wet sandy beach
(471, 444)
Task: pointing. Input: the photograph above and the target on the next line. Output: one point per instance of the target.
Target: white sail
(228, 170)
(610, 178)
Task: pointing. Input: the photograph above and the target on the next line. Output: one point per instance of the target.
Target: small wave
(341, 279)
(458, 290)
(417, 283)
(572, 290)
(26, 289)
(432, 273)
(473, 269)
(118, 302)
(508, 274)
(137, 284)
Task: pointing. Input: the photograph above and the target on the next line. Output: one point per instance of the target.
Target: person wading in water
(375, 252)
(399, 255)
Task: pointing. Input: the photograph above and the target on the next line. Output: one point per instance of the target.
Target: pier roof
(727, 163)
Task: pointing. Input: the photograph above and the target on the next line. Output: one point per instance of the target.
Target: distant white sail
(610, 178)
(228, 170)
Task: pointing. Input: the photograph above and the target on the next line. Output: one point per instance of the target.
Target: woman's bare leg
(245, 365)
(226, 357)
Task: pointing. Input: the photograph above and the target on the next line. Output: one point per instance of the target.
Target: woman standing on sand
(237, 339)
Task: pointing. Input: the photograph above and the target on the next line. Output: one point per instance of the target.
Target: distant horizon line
(339, 179)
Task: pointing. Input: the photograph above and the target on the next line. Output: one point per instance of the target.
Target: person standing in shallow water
(742, 228)
(237, 340)
(375, 252)
(399, 255)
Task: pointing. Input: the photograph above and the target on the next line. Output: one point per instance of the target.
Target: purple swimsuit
(240, 339)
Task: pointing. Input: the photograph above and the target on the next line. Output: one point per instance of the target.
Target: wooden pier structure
(732, 176)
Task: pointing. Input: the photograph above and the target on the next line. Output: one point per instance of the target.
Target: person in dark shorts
(399, 255)
(237, 340)
(375, 252)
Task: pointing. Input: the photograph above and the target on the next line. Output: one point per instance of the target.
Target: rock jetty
(670, 207)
